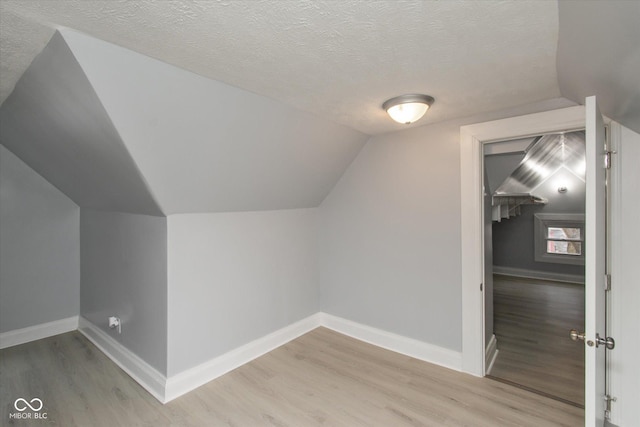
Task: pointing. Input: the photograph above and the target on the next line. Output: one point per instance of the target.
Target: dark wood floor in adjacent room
(322, 378)
(532, 319)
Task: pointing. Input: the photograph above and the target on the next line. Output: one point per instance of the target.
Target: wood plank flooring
(532, 319)
(320, 379)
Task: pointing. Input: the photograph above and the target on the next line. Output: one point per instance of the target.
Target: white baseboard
(143, 373)
(533, 274)
(188, 380)
(166, 389)
(38, 332)
(398, 343)
(490, 354)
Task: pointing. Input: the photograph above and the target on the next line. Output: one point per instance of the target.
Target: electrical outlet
(114, 322)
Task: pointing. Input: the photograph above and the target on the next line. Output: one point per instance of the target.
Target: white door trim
(472, 139)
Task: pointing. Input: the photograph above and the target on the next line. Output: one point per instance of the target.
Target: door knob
(608, 342)
(575, 335)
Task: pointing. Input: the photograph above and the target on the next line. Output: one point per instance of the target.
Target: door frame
(472, 140)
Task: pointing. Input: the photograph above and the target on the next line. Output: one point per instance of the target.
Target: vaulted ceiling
(180, 106)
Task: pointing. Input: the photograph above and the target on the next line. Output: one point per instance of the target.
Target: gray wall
(236, 277)
(39, 248)
(513, 239)
(390, 238)
(124, 274)
(389, 247)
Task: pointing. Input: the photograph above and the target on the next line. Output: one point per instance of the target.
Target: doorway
(597, 344)
(534, 203)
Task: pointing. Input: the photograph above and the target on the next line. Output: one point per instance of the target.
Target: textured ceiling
(337, 59)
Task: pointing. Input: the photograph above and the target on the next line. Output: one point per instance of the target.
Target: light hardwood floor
(532, 319)
(321, 378)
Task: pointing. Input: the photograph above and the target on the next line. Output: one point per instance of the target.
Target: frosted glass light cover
(408, 113)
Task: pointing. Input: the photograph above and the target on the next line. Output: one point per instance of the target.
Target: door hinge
(607, 282)
(608, 158)
(607, 409)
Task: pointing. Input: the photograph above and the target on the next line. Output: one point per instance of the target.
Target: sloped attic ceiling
(55, 123)
(547, 154)
(337, 60)
(201, 145)
(599, 54)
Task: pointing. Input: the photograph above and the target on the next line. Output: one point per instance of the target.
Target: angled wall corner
(55, 122)
(123, 269)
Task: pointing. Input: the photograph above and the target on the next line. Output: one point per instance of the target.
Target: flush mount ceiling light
(408, 108)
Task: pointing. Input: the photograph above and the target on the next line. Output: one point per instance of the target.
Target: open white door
(595, 266)
(472, 138)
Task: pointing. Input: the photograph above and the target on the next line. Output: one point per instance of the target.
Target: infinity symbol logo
(24, 404)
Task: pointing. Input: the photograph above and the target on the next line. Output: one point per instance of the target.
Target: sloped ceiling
(112, 129)
(56, 124)
(339, 60)
(599, 54)
(279, 96)
(544, 158)
(204, 146)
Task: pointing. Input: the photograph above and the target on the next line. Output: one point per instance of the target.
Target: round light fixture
(408, 108)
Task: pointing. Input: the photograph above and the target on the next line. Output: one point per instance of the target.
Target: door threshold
(533, 390)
